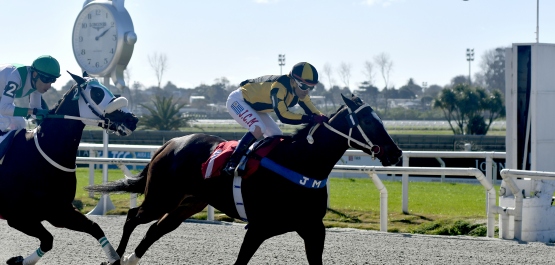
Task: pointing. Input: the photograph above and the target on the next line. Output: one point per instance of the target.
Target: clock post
(103, 41)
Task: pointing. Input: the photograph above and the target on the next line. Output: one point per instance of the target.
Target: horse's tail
(134, 184)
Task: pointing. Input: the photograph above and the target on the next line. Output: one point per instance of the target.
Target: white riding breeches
(12, 123)
(250, 118)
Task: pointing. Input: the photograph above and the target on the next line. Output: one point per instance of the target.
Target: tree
(164, 116)
(467, 106)
(493, 69)
(328, 71)
(432, 91)
(127, 78)
(369, 72)
(414, 90)
(345, 73)
(405, 92)
(159, 64)
(368, 93)
(494, 107)
(459, 80)
(385, 65)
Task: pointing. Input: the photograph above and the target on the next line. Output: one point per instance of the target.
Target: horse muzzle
(125, 127)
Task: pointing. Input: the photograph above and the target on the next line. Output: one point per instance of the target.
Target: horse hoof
(108, 263)
(130, 259)
(15, 261)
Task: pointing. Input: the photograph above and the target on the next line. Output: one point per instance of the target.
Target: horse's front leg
(34, 229)
(72, 219)
(314, 235)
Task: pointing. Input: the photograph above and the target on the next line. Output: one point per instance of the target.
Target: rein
(105, 123)
(353, 121)
(45, 156)
(67, 117)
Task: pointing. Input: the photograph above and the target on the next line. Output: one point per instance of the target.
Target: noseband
(353, 121)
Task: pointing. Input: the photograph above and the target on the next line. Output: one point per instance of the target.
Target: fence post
(489, 173)
(405, 185)
(92, 153)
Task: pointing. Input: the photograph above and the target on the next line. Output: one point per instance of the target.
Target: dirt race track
(202, 243)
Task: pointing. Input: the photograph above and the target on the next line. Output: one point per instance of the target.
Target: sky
(240, 39)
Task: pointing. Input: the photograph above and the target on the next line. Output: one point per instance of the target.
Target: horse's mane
(62, 98)
(303, 132)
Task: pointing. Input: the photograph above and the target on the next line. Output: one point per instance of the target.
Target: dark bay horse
(175, 189)
(37, 173)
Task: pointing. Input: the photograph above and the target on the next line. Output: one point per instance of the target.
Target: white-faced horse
(37, 173)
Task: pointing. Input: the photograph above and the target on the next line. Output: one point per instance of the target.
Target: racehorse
(175, 189)
(37, 173)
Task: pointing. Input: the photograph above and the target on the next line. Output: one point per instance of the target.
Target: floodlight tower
(469, 58)
(281, 60)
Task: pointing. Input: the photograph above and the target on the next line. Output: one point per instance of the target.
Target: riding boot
(239, 152)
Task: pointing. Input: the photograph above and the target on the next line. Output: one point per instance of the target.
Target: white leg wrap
(130, 259)
(33, 258)
(110, 252)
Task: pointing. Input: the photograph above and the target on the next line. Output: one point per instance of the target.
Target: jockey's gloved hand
(40, 113)
(319, 118)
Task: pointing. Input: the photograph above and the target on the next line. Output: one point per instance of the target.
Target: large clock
(103, 39)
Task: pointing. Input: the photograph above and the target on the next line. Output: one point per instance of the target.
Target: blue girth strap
(292, 175)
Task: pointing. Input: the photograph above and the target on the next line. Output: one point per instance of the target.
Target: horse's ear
(85, 74)
(77, 78)
(349, 102)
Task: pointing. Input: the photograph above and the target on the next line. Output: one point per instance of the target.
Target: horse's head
(365, 131)
(99, 107)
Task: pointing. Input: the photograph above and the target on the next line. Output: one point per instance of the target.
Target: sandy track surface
(202, 243)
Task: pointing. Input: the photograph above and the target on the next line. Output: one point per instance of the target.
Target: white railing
(488, 156)
(491, 209)
(372, 171)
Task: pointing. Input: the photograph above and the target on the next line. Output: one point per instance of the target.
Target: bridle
(103, 121)
(352, 119)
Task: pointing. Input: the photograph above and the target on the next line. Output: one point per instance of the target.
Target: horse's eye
(97, 94)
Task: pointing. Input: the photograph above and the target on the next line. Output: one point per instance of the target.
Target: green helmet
(47, 65)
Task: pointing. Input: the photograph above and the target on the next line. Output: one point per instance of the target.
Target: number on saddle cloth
(6, 140)
(218, 159)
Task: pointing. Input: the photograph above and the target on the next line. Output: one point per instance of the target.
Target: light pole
(281, 60)
(469, 58)
(538, 22)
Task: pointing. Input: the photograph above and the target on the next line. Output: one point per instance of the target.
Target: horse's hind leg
(314, 235)
(166, 224)
(255, 236)
(143, 214)
(34, 229)
(131, 222)
(72, 219)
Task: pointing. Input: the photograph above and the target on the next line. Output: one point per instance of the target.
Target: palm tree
(164, 116)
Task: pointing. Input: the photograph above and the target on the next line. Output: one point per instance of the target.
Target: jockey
(252, 102)
(19, 81)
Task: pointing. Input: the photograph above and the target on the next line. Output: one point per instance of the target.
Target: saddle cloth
(218, 159)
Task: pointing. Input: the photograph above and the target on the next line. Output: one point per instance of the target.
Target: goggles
(303, 86)
(46, 79)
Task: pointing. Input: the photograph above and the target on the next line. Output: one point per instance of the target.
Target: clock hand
(101, 34)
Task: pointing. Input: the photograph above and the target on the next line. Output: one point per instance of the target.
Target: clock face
(95, 39)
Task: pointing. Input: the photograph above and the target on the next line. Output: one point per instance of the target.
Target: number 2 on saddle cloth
(218, 159)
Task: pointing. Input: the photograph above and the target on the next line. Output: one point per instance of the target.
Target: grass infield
(434, 208)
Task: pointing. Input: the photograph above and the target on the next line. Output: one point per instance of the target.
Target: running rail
(491, 210)
(372, 171)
